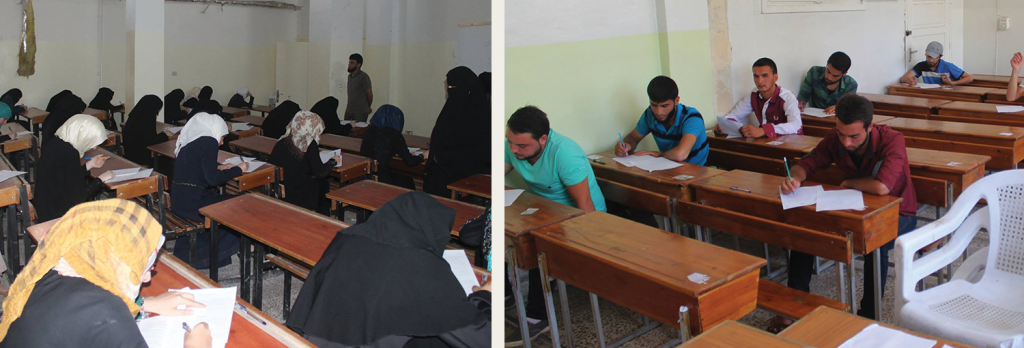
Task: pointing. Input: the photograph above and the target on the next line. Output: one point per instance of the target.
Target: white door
(926, 21)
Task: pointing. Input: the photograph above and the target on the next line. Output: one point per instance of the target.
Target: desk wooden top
(262, 108)
(165, 149)
(346, 144)
(35, 115)
(548, 212)
(233, 111)
(371, 195)
(968, 93)
(830, 122)
(971, 130)
(172, 273)
(1003, 80)
(9, 189)
(998, 96)
(257, 143)
(100, 114)
(932, 160)
(978, 108)
(675, 179)
(791, 144)
(417, 141)
(17, 142)
(250, 119)
(478, 185)
(871, 227)
(884, 100)
(115, 162)
(734, 334)
(299, 233)
(826, 327)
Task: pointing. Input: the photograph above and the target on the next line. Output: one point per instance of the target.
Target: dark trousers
(534, 301)
(801, 267)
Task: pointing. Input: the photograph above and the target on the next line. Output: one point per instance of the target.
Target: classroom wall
(989, 50)
(589, 71)
(796, 41)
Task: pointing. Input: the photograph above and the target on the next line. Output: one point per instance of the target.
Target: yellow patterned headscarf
(108, 243)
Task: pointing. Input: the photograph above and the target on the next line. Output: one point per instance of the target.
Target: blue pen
(246, 310)
(185, 326)
(87, 158)
(623, 143)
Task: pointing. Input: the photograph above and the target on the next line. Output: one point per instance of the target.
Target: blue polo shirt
(562, 164)
(922, 68)
(688, 121)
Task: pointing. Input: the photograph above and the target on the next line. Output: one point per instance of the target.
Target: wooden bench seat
(791, 303)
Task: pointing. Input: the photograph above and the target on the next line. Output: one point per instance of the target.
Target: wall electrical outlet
(174, 73)
(1004, 23)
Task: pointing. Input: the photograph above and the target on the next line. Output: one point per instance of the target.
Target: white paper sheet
(593, 157)
(240, 126)
(626, 161)
(730, 126)
(657, 163)
(803, 196)
(816, 112)
(415, 151)
(344, 122)
(166, 331)
(529, 211)
(775, 143)
(139, 174)
(839, 200)
(238, 160)
(7, 174)
(21, 134)
(128, 171)
(461, 269)
(326, 155)
(1009, 108)
(175, 130)
(511, 196)
(928, 85)
(361, 125)
(878, 336)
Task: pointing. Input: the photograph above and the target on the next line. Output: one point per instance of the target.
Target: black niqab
(172, 107)
(102, 100)
(140, 130)
(56, 100)
(70, 105)
(279, 118)
(327, 109)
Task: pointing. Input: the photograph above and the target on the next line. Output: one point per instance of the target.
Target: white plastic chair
(983, 304)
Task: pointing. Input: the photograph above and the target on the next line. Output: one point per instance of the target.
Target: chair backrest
(1004, 194)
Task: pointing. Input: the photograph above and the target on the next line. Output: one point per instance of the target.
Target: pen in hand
(184, 325)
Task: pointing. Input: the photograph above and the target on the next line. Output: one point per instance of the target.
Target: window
(793, 6)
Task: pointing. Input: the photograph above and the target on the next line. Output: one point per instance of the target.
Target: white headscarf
(201, 125)
(83, 132)
(242, 92)
(191, 93)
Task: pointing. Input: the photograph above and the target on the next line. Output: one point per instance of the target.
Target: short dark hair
(852, 108)
(356, 57)
(840, 61)
(529, 119)
(662, 88)
(765, 61)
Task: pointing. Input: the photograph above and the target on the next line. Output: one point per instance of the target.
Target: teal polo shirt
(562, 164)
(688, 121)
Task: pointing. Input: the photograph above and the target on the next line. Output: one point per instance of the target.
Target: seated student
(62, 181)
(69, 105)
(80, 287)
(874, 159)
(935, 70)
(383, 141)
(238, 99)
(102, 102)
(11, 98)
(197, 174)
(277, 121)
(56, 100)
(204, 94)
(327, 109)
(1012, 91)
(140, 131)
(461, 138)
(485, 82)
(824, 85)
(298, 153)
(346, 302)
(677, 129)
(776, 109)
(172, 107)
(556, 168)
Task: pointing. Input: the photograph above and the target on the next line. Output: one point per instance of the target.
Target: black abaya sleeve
(402, 150)
(319, 169)
(476, 335)
(92, 185)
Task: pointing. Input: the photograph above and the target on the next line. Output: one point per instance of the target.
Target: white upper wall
(228, 25)
(541, 22)
(988, 50)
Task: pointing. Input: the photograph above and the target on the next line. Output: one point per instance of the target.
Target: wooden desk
(247, 330)
(15, 194)
(903, 106)
(250, 119)
(998, 96)
(478, 185)
(260, 177)
(734, 334)
(979, 113)
(262, 109)
(792, 147)
(35, 116)
(1005, 145)
(351, 145)
(20, 143)
(992, 81)
(371, 195)
(298, 234)
(155, 184)
(645, 269)
(417, 141)
(353, 166)
(955, 93)
(233, 112)
(518, 226)
(359, 131)
(826, 327)
(100, 114)
(819, 127)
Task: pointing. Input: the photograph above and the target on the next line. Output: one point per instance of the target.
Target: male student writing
(556, 168)
(678, 130)
(936, 70)
(776, 109)
(824, 85)
(874, 159)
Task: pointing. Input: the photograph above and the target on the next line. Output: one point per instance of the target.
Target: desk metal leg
(877, 256)
(13, 254)
(244, 269)
(597, 320)
(214, 226)
(684, 323)
(853, 286)
(287, 301)
(566, 317)
(549, 302)
(257, 263)
(841, 282)
(517, 293)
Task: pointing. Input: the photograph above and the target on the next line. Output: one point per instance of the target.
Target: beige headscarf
(109, 243)
(305, 128)
(83, 132)
(192, 93)
(201, 125)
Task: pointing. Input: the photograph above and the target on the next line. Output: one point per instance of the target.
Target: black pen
(740, 189)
